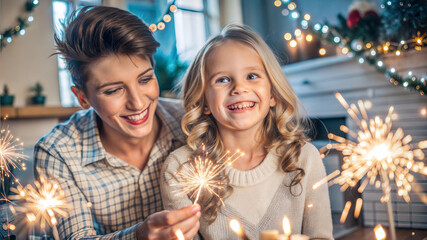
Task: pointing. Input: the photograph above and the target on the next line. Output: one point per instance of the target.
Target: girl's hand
(164, 224)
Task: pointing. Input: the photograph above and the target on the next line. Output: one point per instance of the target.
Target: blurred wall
(26, 60)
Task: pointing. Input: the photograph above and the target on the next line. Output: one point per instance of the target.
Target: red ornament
(353, 18)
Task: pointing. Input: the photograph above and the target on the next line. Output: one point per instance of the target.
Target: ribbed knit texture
(261, 197)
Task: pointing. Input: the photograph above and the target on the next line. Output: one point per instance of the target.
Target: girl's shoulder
(309, 156)
(178, 157)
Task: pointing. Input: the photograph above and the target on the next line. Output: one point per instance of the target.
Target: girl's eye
(253, 76)
(111, 91)
(222, 80)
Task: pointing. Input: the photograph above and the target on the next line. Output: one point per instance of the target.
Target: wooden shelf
(29, 112)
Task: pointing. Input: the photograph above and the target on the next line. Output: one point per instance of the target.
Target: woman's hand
(164, 224)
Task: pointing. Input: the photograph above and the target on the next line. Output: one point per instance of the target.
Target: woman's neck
(252, 144)
(134, 151)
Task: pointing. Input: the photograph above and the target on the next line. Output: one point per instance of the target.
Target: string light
(295, 15)
(293, 43)
(307, 17)
(344, 50)
(309, 38)
(292, 6)
(297, 32)
(287, 36)
(277, 3)
(322, 51)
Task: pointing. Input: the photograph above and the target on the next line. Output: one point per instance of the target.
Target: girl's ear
(81, 97)
(272, 101)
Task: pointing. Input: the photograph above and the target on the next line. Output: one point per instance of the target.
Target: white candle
(269, 235)
(299, 237)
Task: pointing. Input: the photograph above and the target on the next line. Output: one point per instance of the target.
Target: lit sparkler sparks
(10, 153)
(41, 204)
(202, 173)
(379, 154)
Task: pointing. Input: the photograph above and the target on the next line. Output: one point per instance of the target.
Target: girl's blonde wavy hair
(284, 126)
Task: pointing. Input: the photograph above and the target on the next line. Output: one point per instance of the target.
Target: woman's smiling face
(123, 91)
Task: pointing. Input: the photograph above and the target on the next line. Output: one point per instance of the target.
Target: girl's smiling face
(123, 91)
(238, 90)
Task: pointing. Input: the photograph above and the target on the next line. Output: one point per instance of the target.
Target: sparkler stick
(378, 154)
(202, 173)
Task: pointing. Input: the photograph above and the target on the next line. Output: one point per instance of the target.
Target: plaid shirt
(108, 197)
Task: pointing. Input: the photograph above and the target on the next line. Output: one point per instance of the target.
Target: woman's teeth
(138, 117)
(241, 106)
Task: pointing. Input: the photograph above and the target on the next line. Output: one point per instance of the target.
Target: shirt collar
(93, 150)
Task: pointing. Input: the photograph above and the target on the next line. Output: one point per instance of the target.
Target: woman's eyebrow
(119, 82)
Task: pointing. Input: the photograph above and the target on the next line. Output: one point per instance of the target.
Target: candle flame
(286, 226)
(379, 232)
(179, 234)
(235, 226)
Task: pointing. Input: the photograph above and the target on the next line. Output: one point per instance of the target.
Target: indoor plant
(38, 98)
(5, 98)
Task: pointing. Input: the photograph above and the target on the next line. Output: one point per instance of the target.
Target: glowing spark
(359, 203)
(41, 204)
(345, 212)
(10, 153)
(379, 232)
(379, 154)
(202, 173)
(179, 234)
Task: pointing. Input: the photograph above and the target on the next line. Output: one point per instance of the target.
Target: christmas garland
(369, 36)
(7, 36)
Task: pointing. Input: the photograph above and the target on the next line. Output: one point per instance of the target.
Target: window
(195, 21)
(61, 10)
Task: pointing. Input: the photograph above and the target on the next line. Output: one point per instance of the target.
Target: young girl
(237, 97)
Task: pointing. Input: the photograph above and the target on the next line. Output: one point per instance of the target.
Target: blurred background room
(372, 52)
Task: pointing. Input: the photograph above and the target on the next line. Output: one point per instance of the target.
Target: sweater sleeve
(172, 195)
(317, 221)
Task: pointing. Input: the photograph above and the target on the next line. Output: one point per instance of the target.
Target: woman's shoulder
(70, 130)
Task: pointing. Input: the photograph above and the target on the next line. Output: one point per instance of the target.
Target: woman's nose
(135, 100)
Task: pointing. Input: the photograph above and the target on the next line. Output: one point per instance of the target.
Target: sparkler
(10, 154)
(41, 204)
(202, 172)
(379, 154)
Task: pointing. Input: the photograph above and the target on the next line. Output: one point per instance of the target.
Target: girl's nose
(239, 88)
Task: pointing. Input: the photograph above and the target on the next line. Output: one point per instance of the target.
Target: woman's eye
(222, 80)
(253, 76)
(145, 79)
(111, 91)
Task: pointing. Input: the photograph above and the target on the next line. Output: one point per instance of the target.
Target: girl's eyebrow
(119, 82)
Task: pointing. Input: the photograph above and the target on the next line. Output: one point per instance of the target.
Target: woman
(107, 158)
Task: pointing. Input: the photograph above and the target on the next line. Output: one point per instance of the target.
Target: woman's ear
(81, 97)
(206, 110)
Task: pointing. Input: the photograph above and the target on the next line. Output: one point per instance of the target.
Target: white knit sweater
(261, 198)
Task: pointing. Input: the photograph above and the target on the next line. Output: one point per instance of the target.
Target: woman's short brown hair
(94, 32)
